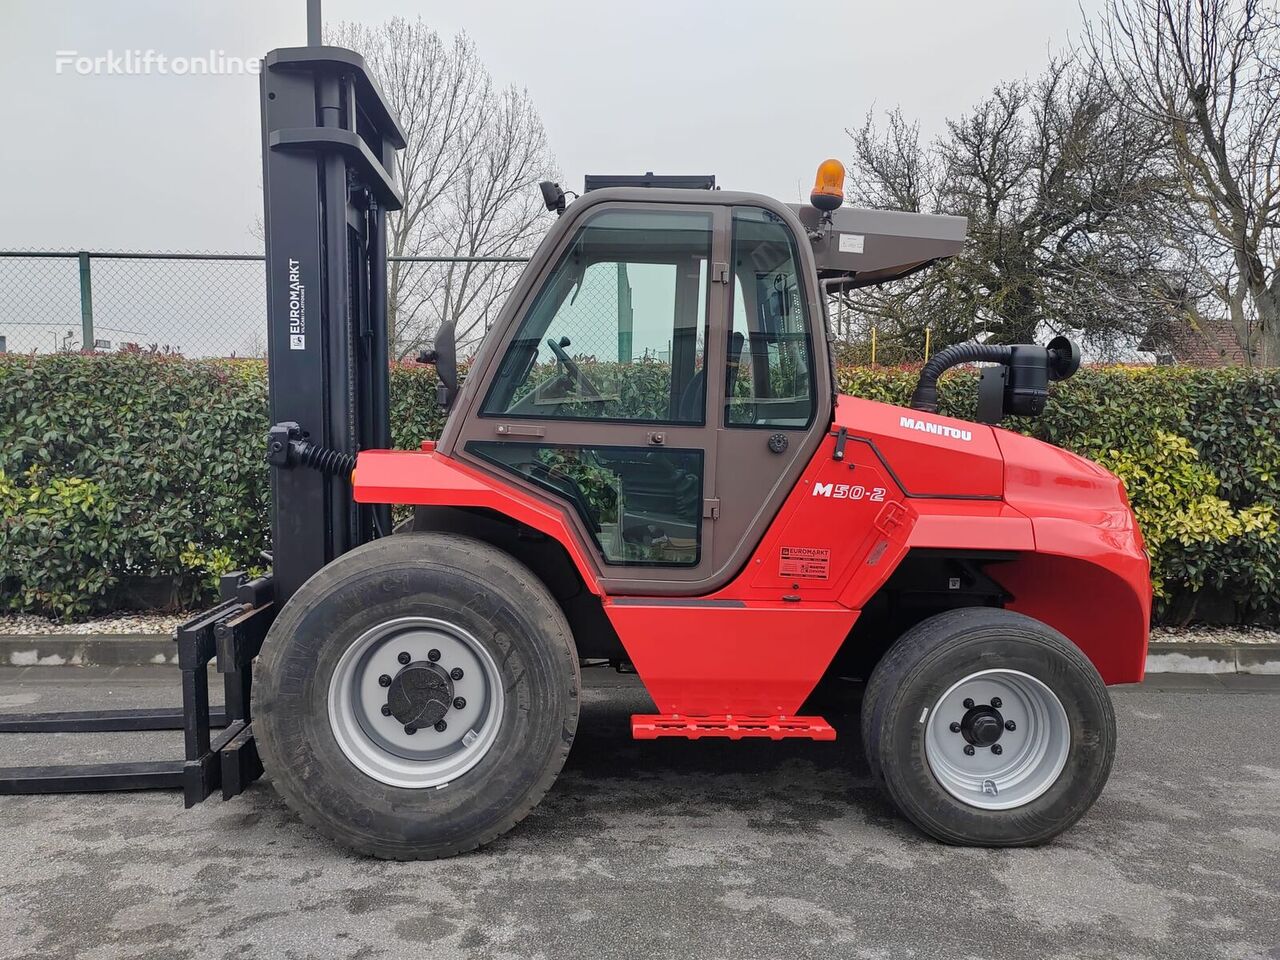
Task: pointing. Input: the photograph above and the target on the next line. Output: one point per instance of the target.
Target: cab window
(642, 506)
(769, 376)
(618, 330)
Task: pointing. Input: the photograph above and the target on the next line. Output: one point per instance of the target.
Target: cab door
(597, 396)
(775, 393)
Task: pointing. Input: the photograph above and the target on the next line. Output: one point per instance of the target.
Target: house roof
(1207, 343)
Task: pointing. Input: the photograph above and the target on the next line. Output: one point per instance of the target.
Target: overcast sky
(755, 92)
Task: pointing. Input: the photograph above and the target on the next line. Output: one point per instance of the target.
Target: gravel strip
(135, 624)
(132, 624)
(1207, 634)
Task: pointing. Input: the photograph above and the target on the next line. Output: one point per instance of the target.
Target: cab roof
(858, 246)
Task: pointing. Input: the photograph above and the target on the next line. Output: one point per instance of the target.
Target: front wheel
(417, 696)
(989, 728)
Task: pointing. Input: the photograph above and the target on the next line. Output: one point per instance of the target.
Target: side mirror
(444, 355)
(552, 197)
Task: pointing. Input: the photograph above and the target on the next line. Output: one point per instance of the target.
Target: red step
(651, 726)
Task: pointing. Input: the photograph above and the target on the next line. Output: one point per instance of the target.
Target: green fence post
(625, 315)
(86, 303)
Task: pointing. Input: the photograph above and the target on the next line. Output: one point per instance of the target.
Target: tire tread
(905, 665)
(457, 555)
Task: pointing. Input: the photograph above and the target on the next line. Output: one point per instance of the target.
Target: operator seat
(691, 398)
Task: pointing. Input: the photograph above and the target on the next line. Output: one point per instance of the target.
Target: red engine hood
(1044, 480)
(927, 454)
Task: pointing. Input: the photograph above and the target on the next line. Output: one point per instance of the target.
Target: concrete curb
(131, 650)
(87, 650)
(1263, 658)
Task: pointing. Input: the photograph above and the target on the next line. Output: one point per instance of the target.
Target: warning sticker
(807, 563)
(851, 242)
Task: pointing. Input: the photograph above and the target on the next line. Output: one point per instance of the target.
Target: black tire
(924, 663)
(447, 577)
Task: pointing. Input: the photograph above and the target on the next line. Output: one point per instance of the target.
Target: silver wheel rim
(1034, 739)
(380, 745)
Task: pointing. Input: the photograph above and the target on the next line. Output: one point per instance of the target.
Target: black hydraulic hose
(325, 459)
(925, 396)
(286, 447)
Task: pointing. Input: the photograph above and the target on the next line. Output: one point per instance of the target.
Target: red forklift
(648, 465)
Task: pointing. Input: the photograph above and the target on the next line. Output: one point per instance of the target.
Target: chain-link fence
(199, 305)
(214, 305)
(194, 304)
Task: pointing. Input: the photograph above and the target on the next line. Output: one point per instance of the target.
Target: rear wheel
(417, 697)
(989, 728)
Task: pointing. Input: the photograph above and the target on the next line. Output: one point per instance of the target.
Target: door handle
(520, 430)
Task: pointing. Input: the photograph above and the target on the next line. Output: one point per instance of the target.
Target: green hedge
(120, 471)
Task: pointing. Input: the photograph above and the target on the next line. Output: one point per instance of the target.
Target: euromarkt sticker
(806, 563)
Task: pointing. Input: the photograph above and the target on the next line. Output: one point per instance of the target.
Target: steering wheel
(588, 389)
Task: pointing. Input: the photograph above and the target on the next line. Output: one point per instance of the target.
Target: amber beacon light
(828, 186)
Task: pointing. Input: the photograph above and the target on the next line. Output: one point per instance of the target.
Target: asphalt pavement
(663, 849)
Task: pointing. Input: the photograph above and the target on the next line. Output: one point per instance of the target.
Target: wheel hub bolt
(386, 709)
(968, 749)
(997, 702)
(456, 673)
(968, 703)
(410, 729)
(955, 727)
(997, 749)
(433, 655)
(441, 726)
(459, 702)
(1010, 725)
(384, 681)
(403, 657)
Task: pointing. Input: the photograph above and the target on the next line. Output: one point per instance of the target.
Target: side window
(769, 376)
(618, 330)
(642, 506)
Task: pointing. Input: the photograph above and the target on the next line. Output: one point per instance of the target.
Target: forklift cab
(658, 372)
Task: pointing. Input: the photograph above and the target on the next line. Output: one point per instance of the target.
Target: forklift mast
(329, 143)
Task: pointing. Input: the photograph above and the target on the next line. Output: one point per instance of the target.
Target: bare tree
(1055, 178)
(1208, 71)
(493, 209)
(469, 173)
(892, 170)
